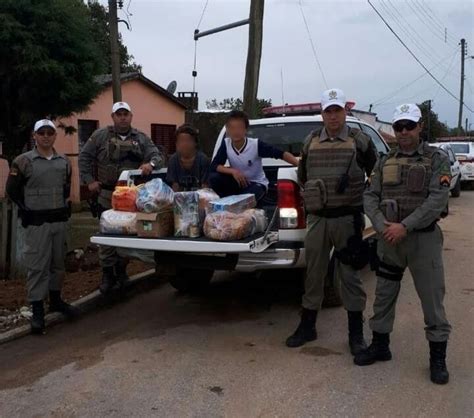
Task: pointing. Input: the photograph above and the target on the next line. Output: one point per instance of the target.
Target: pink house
(156, 112)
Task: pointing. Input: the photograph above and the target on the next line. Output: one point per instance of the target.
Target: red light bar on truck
(299, 109)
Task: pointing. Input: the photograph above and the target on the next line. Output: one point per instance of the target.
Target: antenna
(172, 87)
(282, 89)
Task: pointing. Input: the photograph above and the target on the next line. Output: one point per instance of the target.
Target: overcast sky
(356, 50)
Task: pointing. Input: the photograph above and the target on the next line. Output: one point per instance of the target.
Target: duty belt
(339, 212)
(430, 228)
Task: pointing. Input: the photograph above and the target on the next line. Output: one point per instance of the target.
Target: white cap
(42, 123)
(121, 105)
(333, 97)
(408, 111)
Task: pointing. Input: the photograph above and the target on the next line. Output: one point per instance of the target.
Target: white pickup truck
(281, 246)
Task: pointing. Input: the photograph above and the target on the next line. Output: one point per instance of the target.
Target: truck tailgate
(254, 244)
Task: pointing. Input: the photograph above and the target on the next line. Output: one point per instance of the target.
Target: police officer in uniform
(408, 194)
(332, 169)
(111, 150)
(39, 183)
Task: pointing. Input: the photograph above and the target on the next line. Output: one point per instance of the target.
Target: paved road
(222, 354)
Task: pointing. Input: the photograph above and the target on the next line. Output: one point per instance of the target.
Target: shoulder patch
(444, 180)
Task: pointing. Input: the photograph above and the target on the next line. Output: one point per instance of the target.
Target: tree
(101, 33)
(48, 61)
(237, 104)
(431, 123)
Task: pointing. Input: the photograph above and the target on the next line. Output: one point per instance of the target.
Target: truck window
(460, 148)
(377, 141)
(285, 136)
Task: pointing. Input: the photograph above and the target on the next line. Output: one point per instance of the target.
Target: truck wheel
(188, 280)
(456, 192)
(332, 287)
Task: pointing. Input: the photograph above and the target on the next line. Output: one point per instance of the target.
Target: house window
(85, 127)
(163, 137)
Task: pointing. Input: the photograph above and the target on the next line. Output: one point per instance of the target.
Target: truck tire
(456, 192)
(332, 287)
(188, 280)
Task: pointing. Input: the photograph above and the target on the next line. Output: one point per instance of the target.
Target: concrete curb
(85, 304)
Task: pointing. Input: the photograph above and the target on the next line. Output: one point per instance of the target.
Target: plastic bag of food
(259, 220)
(236, 203)
(186, 215)
(118, 222)
(205, 197)
(124, 198)
(154, 196)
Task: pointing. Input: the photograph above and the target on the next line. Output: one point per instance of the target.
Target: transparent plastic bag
(124, 198)
(206, 196)
(236, 203)
(154, 196)
(118, 223)
(187, 222)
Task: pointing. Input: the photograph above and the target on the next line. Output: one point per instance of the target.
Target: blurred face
(45, 137)
(185, 144)
(334, 118)
(236, 129)
(122, 120)
(407, 133)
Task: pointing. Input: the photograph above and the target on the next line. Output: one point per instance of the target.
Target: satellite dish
(172, 87)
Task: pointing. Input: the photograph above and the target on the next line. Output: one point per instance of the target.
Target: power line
(394, 93)
(433, 16)
(202, 14)
(446, 74)
(416, 58)
(312, 44)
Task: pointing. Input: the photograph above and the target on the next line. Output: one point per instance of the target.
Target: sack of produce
(118, 222)
(205, 197)
(154, 196)
(186, 215)
(124, 198)
(236, 203)
(259, 220)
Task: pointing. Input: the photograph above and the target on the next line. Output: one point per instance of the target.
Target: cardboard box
(155, 225)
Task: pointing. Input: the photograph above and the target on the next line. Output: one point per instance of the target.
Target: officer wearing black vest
(39, 183)
(408, 194)
(111, 150)
(332, 169)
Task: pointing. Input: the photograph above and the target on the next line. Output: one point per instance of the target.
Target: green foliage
(432, 127)
(237, 104)
(48, 60)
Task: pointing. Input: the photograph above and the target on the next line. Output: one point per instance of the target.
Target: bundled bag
(229, 226)
(236, 203)
(124, 198)
(186, 215)
(118, 222)
(154, 196)
(206, 196)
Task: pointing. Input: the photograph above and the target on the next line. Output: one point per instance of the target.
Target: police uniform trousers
(322, 235)
(421, 252)
(44, 253)
(108, 256)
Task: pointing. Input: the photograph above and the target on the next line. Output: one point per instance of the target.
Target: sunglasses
(45, 133)
(409, 125)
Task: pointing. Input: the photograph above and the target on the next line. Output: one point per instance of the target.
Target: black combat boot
(356, 332)
(56, 304)
(378, 351)
(121, 272)
(439, 372)
(108, 280)
(37, 321)
(306, 330)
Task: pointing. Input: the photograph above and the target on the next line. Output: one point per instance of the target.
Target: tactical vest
(120, 155)
(327, 162)
(46, 188)
(406, 180)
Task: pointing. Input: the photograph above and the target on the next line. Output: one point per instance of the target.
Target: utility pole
(114, 51)
(254, 56)
(429, 121)
(461, 94)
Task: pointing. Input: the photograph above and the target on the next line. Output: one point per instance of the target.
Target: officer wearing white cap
(408, 194)
(332, 170)
(39, 183)
(111, 150)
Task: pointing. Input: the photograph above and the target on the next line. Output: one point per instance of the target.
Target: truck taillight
(290, 205)
(121, 183)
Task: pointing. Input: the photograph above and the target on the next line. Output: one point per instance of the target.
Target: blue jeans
(225, 185)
